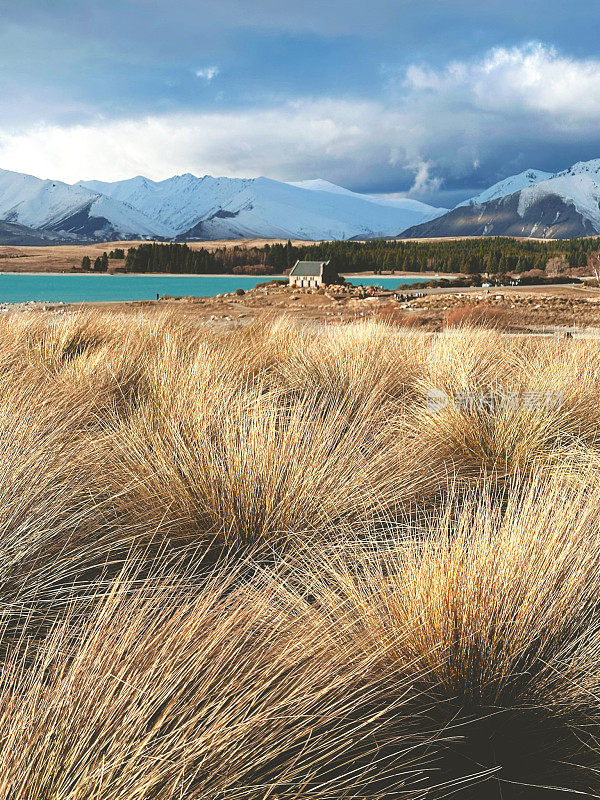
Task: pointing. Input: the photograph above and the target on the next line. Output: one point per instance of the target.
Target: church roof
(309, 268)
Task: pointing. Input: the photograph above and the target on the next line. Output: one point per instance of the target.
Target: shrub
(482, 314)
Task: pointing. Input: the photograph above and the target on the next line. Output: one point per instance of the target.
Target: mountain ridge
(70, 211)
(561, 205)
(185, 207)
(507, 186)
(216, 208)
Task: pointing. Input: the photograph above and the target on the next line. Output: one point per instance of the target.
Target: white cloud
(436, 124)
(423, 182)
(207, 73)
(304, 137)
(534, 78)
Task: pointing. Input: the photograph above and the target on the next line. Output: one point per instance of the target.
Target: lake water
(97, 288)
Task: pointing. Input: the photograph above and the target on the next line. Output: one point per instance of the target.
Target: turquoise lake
(107, 288)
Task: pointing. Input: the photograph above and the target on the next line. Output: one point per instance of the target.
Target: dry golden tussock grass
(235, 688)
(492, 608)
(259, 562)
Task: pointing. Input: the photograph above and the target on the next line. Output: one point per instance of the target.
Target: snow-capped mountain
(532, 203)
(508, 186)
(185, 207)
(229, 208)
(578, 185)
(559, 206)
(71, 212)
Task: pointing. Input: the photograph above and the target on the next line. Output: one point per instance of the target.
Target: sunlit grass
(257, 563)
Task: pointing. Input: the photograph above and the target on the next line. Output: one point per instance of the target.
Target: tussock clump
(467, 358)
(167, 692)
(494, 407)
(37, 341)
(46, 509)
(477, 443)
(251, 471)
(493, 612)
(481, 314)
(351, 365)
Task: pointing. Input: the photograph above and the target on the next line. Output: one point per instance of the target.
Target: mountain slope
(563, 206)
(405, 203)
(71, 211)
(13, 234)
(550, 217)
(229, 208)
(515, 183)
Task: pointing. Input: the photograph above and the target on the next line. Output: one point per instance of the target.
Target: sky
(431, 99)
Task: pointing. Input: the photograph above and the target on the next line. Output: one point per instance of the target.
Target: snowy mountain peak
(508, 186)
(583, 168)
(320, 185)
(578, 187)
(406, 203)
(211, 208)
(532, 204)
(73, 211)
(187, 207)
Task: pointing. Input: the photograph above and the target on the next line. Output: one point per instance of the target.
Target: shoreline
(422, 275)
(560, 309)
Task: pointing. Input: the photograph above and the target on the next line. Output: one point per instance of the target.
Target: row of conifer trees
(469, 256)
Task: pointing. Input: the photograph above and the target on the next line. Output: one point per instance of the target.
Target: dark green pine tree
(289, 255)
(86, 263)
